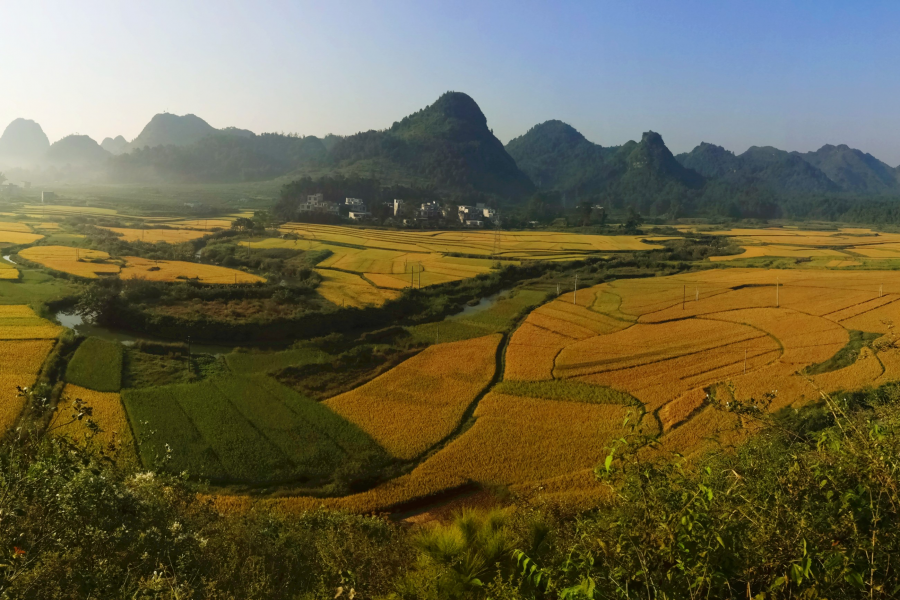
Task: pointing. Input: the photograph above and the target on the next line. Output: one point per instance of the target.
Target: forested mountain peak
(448, 143)
(553, 133)
(167, 129)
(785, 172)
(454, 115)
(653, 157)
(556, 156)
(117, 145)
(76, 150)
(23, 142)
(853, 169)
(710, 160)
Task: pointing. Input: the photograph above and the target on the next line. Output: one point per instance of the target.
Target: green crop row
(97, 365)
(264, 362)
(248, 429)
(566, 389)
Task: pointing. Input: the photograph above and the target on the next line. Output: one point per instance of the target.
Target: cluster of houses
(355, 208)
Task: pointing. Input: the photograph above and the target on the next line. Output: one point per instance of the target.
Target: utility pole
(575, 294)
(880, 290)
(777, 300)
(683, 296)
(696, 294)
(557, 289)
(190, 361)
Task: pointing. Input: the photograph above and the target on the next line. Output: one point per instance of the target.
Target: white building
(397, 205)
(358, 215)
(430, 210)
(355, 202)
(474, 223)
(488, 213)
(317, 203)
(465, 212)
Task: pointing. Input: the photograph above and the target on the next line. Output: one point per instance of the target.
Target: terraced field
(96, 263)
(647, 353)
(25, 342)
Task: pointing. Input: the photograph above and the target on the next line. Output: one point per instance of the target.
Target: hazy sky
(794, 75)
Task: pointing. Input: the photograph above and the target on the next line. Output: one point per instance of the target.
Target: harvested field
(151, 236)
(419, 402)
(95, 263)
(175, 270)
(347, 289)
(114, 437)
(75, 261)
(20, 362)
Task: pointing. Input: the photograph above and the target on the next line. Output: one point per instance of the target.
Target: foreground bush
(72, 527)
(809, 508)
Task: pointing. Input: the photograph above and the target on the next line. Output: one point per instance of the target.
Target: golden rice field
(39, 210)
(75, 261)
(675, 338)
(7, 270)
(115, 433)
(846, 247)
(95, 263)
(668, 342)
(349, 289)
(512, 244)
(418, 403)
(25, 341)
(175, 270)
(151, 236)
(15, 226)
(18, 322)
(18, 237)
(372, 274)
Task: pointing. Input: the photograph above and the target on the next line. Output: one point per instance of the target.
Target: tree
(262, 219)
(634, 221)
(584, 211)
(242, 224)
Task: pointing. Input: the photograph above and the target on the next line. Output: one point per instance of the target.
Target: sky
(790, 74)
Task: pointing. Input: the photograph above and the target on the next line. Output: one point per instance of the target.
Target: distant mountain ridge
(78, 150)
(854, 170)
(557, 157)
(447, 143)
(23, 142)
(448, 148)
(828, 170)
(117, 145)
(166, 129)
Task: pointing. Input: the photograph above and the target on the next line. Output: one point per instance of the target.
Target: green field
(501, 316)
(35, 288)
(249, 430)
(97, 365)
(265, 362)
